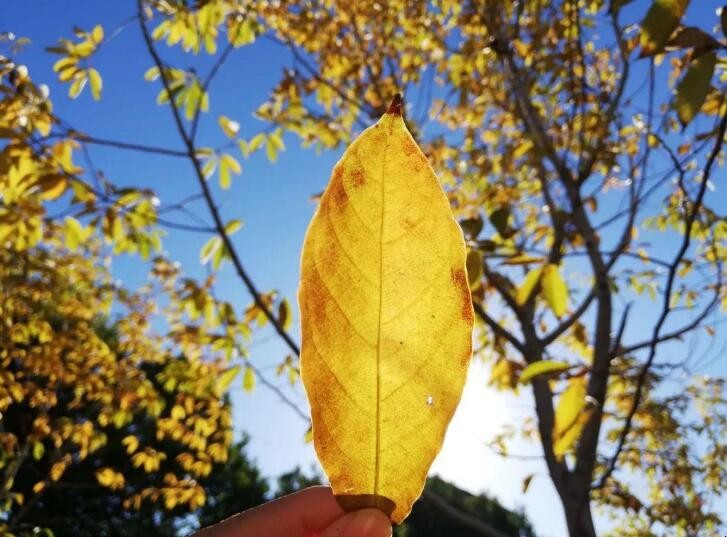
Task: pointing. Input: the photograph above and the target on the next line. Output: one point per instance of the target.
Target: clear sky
(274, 203)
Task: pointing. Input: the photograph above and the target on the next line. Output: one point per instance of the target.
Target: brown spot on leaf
(410, 147)
(409, 224)
(459, 279)
(316, 303)
(466, 357)
(337, 191)
(358, 177)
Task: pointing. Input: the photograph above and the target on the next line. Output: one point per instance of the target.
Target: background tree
(579, 152)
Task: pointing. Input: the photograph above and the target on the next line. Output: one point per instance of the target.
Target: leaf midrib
(377, 445)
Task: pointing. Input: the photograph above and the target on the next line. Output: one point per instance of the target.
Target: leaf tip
(395, 106)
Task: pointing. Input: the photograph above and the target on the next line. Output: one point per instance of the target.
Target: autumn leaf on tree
(386, 319)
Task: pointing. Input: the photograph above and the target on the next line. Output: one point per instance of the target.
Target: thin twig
(126, 145)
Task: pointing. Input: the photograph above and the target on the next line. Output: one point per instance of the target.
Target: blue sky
(274, 203)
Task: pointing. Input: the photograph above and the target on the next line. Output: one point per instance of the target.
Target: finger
(302, 514)
(363, 523)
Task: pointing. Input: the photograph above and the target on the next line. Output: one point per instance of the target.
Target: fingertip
(362, 523)
(374, 523)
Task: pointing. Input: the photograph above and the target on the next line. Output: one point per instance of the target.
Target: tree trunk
(579, 519)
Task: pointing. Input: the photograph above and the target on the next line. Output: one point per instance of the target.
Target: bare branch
(186, 227)
(81, 137)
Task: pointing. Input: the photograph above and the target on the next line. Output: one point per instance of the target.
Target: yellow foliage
(386, 319)
(108, 477)
(571, 415)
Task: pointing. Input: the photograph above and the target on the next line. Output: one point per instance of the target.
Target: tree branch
(666, 307)
(126, 145)
(219, 224)
(499, 330)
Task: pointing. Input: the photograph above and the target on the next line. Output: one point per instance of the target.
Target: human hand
(312, 512)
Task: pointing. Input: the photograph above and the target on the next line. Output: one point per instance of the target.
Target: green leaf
(248, 379)
(232, 164)
(693, 37)
(276, 138)
(209, 249)
(151, 74)
(228, 126)
(94, 77)
(228, 164)
(219, 255)
(661, 20)
(38, 450)
(542, 367)
(232, 226)
(526, 288)
(474, 268)
(284, 317)
(209, 167)
(499, 218)
(271, 151)
(555, 291)
(77, 85)
(471, 227)
(616, 5)
(255, 143)
(226, 377)
(694, 87)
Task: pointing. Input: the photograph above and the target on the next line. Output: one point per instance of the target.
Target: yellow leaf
(228, 126)
(522, 259)
(97, 34)
(94, 79)
(78, 84)
(109, 478)
(526, 288)
(233, 226)
(248, 379)
(131, 443)
(555, 291)
(571, 416)
(505, 373)
(53, 186)
(226, 378)
(386, 320)
(543, 367)
(57, 469)
(76, 234)
(284, 317)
